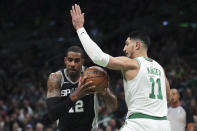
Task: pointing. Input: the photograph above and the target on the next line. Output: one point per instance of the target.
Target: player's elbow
(101, 60)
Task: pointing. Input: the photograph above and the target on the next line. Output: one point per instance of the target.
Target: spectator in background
(29, 127)
(113, 124)
(99, 129)
(16, 127)
(108, 128)
(194, 111)
(39, 127)
(189, 96)
(194, 106)
(2, 123)
(48, 129)
(180, 117)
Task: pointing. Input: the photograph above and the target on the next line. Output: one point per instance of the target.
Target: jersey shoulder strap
(63, 74)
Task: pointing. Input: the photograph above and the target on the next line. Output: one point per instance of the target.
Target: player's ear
(65, 59)
(138, 45)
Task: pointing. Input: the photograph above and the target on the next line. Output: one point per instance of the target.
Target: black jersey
(81, 116)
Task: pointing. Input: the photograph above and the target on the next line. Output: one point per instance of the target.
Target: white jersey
(146, 93)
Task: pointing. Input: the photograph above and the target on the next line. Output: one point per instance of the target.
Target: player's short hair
(142, 36)
(75, 49)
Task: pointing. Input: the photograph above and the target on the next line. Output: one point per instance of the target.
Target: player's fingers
(78, 10)
(73, 10)
(83, 14)
(91, 88)
(89, 83)
(71, 13)
(83, 79)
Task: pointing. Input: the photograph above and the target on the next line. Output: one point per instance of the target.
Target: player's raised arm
(92, 49)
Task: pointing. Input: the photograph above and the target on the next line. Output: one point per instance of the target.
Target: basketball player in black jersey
(68, 98)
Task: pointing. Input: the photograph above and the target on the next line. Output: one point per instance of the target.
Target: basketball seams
(94, 77)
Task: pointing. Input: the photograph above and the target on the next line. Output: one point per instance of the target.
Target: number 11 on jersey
(158, 83)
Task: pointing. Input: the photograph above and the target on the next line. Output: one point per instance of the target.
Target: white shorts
(142, 124)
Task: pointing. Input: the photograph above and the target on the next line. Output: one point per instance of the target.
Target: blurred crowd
(34, 35)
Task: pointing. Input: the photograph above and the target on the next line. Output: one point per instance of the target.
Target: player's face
(129, 48)
(174, 96)
(73, 62)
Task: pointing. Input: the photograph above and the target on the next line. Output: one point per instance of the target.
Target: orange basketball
(98, 76)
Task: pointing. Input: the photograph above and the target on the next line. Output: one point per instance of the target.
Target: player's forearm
(92, 49)
(58, 105)
(110, 101)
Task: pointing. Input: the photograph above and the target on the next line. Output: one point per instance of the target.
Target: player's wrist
(103, 93)
(74, 97)
(80, 29)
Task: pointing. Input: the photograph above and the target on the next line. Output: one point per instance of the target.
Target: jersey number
(152, 94)
(77, 108)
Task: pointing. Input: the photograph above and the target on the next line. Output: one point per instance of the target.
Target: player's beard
(73, 73)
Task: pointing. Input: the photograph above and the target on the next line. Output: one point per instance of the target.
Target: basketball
(98, 76)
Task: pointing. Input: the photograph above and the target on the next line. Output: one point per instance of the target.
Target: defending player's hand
(77, 16)
(84, 88)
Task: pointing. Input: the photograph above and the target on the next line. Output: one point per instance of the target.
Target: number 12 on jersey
(79, 107)
(155, 83)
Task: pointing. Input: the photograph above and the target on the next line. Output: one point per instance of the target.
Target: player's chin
(72, 72)
(173, 101)
(127, 54)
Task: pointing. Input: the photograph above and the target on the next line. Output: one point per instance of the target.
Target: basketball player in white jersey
(146, 87)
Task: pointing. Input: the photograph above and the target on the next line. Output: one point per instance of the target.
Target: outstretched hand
(77, 17)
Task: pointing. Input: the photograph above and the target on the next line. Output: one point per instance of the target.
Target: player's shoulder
(126, 59)
(55, 75)
(129, 62)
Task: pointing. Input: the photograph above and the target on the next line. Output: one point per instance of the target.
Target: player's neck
(140, 54)
(74, 78)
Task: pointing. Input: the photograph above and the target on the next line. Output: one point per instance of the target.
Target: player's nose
(124, 49)
(72, 63)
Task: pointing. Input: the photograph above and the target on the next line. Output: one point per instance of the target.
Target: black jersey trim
(62, 70)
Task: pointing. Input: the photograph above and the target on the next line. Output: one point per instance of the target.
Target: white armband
(92, 49)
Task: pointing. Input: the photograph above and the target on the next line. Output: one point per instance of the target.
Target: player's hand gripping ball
(98, 76)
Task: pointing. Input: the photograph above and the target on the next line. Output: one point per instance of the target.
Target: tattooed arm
(56, 104)
(53, 85)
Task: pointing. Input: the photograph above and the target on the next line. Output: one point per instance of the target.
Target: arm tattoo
(53, 85)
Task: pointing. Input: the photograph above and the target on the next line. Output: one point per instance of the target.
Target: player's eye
(77, 60)
(70, 59)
